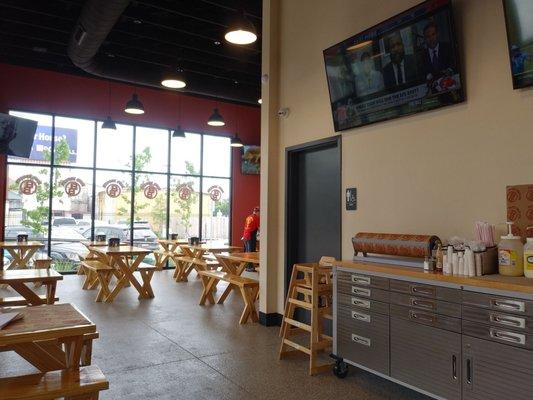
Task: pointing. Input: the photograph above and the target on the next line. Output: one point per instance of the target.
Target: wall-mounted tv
(16, 135)
(404, 65)
(519, 23)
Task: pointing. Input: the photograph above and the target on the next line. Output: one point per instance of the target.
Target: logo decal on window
(215, 192)
(28, 184)
(72, 186)
(113, 188)
(150, 189)
(185, 191)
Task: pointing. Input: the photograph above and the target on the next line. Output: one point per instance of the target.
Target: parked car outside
(62, 221)
(142, 237)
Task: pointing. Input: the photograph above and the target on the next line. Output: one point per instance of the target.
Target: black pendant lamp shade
(134, 106)
(241, 31)
(236, 141)
(179, 132)
(216, 119)
(173, 80)
(109, 124)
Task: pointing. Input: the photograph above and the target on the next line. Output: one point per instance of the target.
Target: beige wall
(435, 172)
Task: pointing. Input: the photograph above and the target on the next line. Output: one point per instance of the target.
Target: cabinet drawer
(363, 291)
(426, 357)
(422, 290)
(363, 280)
(498, 303)
(365, 343)
(498, 319)
(426, 318)
(358, 303)
(498, 334)
(432, 305)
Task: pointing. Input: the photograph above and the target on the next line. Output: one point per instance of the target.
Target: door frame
(290, 153)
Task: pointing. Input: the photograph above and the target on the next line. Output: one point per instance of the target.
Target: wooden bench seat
(97, 274)
(248, 289)
(42, 261)
(18, 279)
(83, 384)
(15, 301)
(147, 271)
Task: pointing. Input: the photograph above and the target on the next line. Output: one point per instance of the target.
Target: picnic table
(122, 262)
(169, 249)
(235, 264)
(50, 337)
(21, 252)
(17, 280)
(193, 258)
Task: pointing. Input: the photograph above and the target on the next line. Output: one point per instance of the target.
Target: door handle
(422, 317)
(361, 292)
(454, 367)
(512, 337)
(513, 305)
(508, 320)
(360, 303)
(422, 304)
(423, 290)
(362, 280)
(469, 371)
(361, 316)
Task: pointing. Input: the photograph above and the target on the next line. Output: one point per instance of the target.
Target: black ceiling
(154, 34)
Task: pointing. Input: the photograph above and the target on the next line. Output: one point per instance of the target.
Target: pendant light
(235, 140)
(179, 132)
(216, 119)
(173, 80)
(134, 106)
(108, 125)
(241, 30)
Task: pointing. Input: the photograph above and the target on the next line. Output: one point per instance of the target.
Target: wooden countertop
(487, 284)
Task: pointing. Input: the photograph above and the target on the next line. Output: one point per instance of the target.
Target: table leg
(51, 292)
(103, 277)
(29, 295)
(73, 350)
(207, 294)
(147, 277)
(248, 295)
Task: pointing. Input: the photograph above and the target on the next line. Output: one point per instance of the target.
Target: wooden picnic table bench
(18, 279)
(247, 287)
(85, 383)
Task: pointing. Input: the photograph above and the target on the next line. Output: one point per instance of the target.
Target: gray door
(313, 201)
(493, 371)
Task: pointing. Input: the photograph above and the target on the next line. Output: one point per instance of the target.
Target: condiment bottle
(511, 254)
(528, 254)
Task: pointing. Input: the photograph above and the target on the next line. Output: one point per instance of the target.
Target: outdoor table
(192, 258)
(50, 337)
(169, 248)
(17, 280)
(125, 259)
(235, 264)
(21, 252)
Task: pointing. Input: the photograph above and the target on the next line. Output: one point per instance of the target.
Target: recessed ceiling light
(216, 43)
(137, 22)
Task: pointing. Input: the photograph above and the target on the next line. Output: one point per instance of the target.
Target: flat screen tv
(404, 65)
(519, 24)
(16, 135)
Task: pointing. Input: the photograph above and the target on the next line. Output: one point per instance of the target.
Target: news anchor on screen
(437, 56)
(402, 67)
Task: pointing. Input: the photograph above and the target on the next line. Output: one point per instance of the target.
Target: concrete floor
(171, 348)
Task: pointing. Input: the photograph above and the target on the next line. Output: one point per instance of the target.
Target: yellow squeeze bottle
(511, 254)
(528, 256)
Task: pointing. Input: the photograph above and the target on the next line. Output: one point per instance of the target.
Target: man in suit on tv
(402, 67)
(438, 55)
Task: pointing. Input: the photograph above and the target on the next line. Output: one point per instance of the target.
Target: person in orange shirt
(249, 236)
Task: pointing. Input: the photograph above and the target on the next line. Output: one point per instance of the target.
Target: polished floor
(171, 348)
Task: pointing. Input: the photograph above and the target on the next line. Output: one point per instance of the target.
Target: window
(137, 184)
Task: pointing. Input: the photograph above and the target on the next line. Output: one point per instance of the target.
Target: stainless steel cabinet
(493, 371)
(426, 357)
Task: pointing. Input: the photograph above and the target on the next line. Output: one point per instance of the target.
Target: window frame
(168, 173)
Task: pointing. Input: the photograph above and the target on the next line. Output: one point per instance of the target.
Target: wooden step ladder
(310, 289)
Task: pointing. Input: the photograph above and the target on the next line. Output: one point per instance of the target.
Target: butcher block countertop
(493, 284)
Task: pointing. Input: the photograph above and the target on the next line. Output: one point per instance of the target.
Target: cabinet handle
(509, 305)
(422, 317)
(423, 290)
(360, 303)
(423, 304)
(454, 367)
(361, 292)
(508, 336)
(361, 316)
(362, 280)
(508, 320)
(469, 371)
(361, 340)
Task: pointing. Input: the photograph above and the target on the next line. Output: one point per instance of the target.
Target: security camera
(283, 112)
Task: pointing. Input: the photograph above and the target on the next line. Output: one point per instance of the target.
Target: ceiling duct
(97, 19)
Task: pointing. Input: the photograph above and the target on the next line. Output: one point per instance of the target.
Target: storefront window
(132, 194)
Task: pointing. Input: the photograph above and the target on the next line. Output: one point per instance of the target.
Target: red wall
(37, 90)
